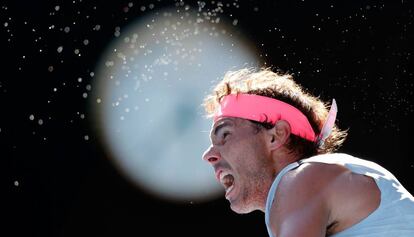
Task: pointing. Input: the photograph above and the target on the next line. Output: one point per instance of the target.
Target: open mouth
(227, 180)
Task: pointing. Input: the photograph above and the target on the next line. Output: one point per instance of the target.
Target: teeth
(229, 189)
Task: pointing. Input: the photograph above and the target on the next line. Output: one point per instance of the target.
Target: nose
(211, 155)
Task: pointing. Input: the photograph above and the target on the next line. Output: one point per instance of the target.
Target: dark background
(56, 183)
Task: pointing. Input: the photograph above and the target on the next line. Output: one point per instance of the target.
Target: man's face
(241, 162)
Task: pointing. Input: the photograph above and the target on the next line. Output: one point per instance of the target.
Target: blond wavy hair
(265, 82)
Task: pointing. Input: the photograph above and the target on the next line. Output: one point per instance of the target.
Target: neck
(283, 157)
(280, 159)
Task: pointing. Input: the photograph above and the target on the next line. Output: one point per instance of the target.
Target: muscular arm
(317, 196)
(302, 204)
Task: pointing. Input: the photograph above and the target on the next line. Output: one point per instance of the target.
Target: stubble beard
(254, 196)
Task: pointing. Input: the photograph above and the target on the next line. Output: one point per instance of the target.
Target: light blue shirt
(393, 217)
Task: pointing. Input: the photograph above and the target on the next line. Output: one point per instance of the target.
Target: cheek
(235, 155)
(256, 157)
(243, 158)
(243, 153)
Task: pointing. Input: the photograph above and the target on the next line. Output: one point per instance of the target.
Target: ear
(278, 135)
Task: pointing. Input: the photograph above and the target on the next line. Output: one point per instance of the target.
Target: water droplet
(109, 63)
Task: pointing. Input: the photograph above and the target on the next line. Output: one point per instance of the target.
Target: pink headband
(265, 109)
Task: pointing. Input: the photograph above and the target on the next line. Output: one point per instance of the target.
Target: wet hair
(265, 82)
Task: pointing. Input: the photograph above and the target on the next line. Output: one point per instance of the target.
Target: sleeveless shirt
(393, 217)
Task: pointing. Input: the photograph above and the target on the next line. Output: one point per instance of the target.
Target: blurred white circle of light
(149, 88)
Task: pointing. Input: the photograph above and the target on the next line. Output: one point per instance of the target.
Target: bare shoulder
(311, 180)
(330, 192)
(320, 175)
(302, 199)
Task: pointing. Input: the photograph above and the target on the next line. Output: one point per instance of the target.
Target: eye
(225, 134)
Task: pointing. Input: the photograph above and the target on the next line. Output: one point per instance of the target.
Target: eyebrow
(220, 126)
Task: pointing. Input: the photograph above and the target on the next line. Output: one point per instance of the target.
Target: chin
(240, 208)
